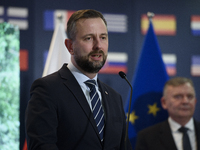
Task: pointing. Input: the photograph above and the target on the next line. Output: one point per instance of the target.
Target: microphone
(123, 76)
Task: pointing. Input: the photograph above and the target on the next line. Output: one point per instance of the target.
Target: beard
(90, 66)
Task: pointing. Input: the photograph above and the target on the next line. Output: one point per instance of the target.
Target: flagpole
(60, 17)
(150, 15)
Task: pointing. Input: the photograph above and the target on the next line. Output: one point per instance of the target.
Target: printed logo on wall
(116, 61)
(163, 24)
(195, 65)
(115, 22)
(23, 55)
(51, 18)
(195, 25)
(15, 15)
(170, 63)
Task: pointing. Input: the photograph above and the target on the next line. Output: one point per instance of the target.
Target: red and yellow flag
(163, 24)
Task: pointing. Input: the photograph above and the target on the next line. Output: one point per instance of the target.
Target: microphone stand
(123, 75)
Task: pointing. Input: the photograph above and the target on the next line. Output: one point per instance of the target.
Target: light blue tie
(96, 107)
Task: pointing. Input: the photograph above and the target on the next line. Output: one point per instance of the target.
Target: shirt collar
(175, 126)
(80, 77)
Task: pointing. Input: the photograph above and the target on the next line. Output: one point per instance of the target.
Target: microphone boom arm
(129, 109)
(123, 76)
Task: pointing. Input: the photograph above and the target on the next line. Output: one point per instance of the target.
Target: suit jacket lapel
(197, 130)
(104, 94)
(108, 120)
(72, 84)
(166, 137)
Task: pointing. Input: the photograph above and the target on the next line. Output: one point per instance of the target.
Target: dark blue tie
(185, 139)
(96, 107)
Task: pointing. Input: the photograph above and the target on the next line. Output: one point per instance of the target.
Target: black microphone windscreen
(122, 74)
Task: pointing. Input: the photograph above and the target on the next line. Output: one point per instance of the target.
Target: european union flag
(148, 83)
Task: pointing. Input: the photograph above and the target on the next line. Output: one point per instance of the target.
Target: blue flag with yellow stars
(148, 82)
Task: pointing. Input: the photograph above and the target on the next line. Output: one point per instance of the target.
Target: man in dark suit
(61, 113)
(179, 100)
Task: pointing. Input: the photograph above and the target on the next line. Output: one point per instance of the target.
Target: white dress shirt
(178, 135)
(81, 78)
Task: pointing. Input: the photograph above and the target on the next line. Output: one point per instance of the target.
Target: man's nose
(186, 99)
(97, 44)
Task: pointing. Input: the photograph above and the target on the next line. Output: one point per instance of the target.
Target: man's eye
(178, 96)
(190, 96)
(104, 37)
(88, 38)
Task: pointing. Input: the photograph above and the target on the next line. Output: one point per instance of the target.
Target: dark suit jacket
(159, 137)
(59, 117)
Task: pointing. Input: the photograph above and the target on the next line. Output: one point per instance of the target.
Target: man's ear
(163, 102)
(68, 44)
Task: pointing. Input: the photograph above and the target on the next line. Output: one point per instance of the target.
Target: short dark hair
(80, 14)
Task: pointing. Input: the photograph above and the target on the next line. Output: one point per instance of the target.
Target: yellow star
(133, 117)
(153, 109)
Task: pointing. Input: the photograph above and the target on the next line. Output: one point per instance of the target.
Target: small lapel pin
(106, 92)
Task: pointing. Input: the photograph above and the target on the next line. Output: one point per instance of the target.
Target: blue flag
(148, 82)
